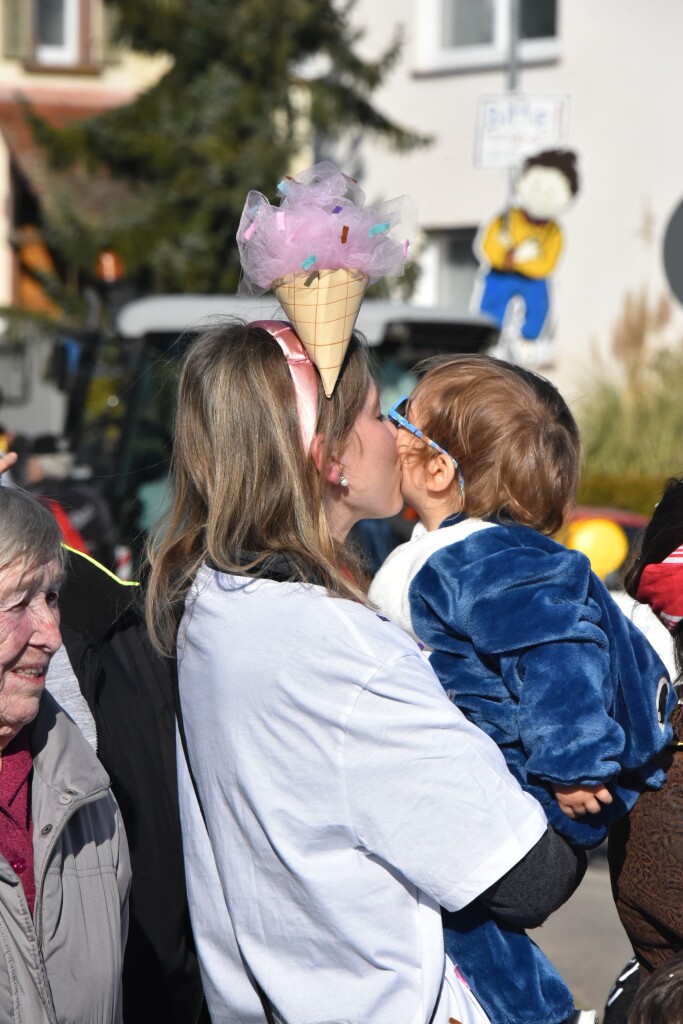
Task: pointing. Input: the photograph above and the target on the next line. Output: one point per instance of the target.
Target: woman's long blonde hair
(242, 487)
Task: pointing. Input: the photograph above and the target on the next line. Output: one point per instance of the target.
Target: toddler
(525, 638)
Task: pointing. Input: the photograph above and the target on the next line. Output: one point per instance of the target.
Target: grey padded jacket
(63, 966)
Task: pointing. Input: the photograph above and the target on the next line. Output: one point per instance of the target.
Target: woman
(63, 854)
(120, 693)
(323, 833)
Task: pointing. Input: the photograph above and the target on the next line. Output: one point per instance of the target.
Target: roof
(92, 195)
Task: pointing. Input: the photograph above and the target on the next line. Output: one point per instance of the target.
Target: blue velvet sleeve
(518, 644)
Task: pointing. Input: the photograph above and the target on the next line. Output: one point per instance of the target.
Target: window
(467, 23)
(461, 34)
(458, 268)
(56, 32)
(449, 269)
(538, 19)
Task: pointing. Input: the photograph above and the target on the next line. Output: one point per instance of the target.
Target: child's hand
(575, 801)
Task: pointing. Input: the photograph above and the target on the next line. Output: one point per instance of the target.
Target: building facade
(58, 56)
(618, 62)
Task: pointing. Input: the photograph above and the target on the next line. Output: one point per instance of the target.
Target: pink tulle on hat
(319, 250)
(322, 223)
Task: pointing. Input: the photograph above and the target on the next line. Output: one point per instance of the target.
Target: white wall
(620, 62)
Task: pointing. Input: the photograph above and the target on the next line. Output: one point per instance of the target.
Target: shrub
(632, 416)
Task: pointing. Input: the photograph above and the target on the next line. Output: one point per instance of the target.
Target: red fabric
(16, 827)
(661, 586)
(71, 535)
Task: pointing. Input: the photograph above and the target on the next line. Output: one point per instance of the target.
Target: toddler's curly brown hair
(510, 429)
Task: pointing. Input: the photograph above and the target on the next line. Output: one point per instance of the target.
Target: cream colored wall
(118, 83)
(620, 63)
(5, 251)
(129, 75)
(124, 73)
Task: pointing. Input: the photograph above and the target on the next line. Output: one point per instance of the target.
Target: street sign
(673, 252)
(512, 126)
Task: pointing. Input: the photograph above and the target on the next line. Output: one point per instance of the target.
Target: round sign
(673, 252)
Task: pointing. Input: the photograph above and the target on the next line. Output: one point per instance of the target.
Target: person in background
(646, 849)
(119, 692)
(659, 1000)
(64, 863)
(49, 471)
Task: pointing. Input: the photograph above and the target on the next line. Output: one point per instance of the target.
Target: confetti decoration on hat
(320, 264)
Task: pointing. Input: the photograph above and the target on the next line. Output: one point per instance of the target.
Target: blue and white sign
(511, 126)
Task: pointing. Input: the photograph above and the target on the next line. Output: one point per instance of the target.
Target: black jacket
(129, 690)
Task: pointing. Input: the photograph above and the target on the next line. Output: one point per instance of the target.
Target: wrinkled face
(371, 464)
(29, 636)
(543, 192)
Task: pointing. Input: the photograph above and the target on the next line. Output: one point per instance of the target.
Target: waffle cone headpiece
(323, 306)
(319, 250)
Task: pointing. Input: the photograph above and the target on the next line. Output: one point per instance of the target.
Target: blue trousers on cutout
(502, 286)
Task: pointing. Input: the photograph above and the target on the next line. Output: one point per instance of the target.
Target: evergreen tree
(232, 113)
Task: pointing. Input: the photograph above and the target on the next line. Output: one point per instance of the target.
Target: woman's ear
(329, 469)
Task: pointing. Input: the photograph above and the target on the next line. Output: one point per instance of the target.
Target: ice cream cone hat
(319, 250)
(323, 306)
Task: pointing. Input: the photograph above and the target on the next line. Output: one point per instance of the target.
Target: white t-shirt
(346, 798)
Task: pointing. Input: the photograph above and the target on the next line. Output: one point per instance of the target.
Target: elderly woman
(64, 867)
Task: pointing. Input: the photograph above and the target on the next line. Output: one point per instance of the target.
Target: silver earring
(343, 482)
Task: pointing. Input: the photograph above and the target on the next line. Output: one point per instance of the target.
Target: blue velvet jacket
(529, 644)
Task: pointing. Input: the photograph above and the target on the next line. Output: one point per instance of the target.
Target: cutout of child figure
(520, 248)
(524, 637)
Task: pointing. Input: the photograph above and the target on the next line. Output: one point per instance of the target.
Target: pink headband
(303, 372)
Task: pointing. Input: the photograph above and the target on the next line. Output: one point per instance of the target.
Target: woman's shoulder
(269, 614)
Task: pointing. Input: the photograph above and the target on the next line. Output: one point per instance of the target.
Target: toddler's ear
(440, 473)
